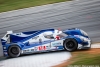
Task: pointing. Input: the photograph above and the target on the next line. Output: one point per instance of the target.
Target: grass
(7, 5)
(88, 60)
(83, 59)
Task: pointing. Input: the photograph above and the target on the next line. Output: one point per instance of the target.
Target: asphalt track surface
(83, 14)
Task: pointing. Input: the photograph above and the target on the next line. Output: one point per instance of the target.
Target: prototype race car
(16, 44)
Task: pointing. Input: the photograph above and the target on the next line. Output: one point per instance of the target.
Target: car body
(16, 44)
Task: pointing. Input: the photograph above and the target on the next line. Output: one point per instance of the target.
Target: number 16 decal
(42, 48)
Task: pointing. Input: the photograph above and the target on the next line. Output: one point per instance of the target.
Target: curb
(95, 45)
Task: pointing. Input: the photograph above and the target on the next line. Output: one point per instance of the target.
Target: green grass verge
(85, 60)
(7, 5)
(88, 61)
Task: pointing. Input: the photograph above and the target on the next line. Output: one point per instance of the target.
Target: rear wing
(6, 38)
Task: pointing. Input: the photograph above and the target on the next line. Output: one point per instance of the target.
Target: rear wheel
(70, 44)
(14, 51)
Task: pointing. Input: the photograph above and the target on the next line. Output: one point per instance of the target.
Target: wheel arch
(71, 38)
(15, 44)
(78, 40)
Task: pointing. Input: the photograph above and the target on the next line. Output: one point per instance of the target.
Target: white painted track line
(39, 60)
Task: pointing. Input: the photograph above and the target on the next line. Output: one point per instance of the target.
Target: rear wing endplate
(6, 37)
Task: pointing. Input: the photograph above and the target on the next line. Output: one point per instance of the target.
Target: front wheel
(14, 51)
(70, 44)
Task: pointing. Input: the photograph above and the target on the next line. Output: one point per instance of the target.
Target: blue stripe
(37, 33)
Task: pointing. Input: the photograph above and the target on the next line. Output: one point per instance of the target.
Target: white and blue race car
(16, 44)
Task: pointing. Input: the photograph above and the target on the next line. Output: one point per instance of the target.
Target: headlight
(84, 33)
(83, 39)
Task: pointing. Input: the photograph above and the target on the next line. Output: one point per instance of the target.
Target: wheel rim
(14, 50)
(70, 45)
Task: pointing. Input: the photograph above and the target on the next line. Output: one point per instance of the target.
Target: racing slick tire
(14, 51)
(70, 45)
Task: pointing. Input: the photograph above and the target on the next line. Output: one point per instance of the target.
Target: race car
(16, 44)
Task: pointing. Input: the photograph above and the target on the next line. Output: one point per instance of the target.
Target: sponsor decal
(32, 50)
(39, 48)
(28, 50)
(35, 48)
(48, 47)
(56, 44)
(42, 48)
